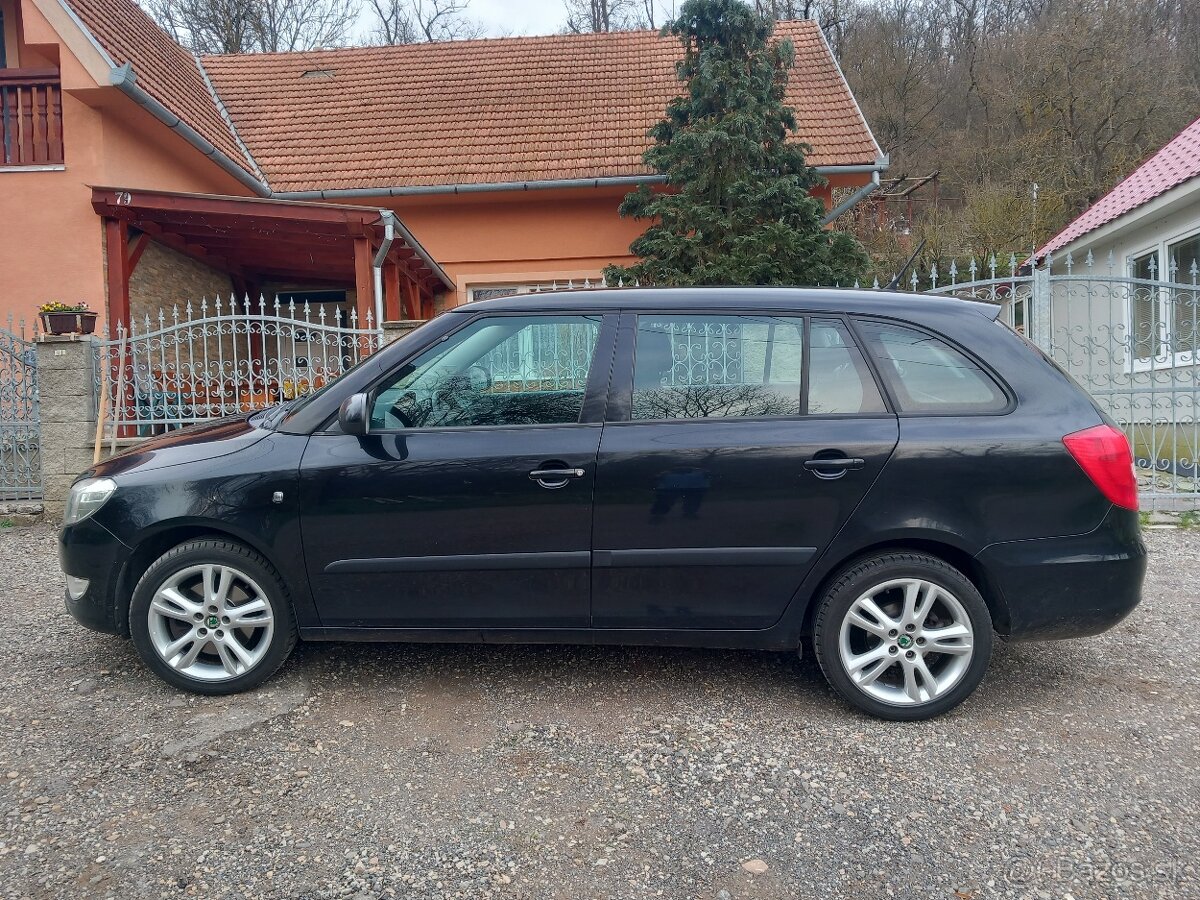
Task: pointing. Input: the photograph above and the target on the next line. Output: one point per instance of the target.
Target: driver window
(504, 370)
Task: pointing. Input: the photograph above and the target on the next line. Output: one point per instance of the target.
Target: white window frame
(1166, 357)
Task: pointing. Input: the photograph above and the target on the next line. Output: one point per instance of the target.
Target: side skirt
(765, 639)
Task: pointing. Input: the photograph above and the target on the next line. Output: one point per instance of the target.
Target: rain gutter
(553, 184)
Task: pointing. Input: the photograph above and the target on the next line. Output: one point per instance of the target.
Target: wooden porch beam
(412, 299)
(136, 251)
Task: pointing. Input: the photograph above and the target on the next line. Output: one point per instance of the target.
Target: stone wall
(164, 278)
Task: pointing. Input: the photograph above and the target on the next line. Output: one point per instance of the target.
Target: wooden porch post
(364, 280)
(392, 311)
(412, 299)
(116, 247)
(364, 286)
(116, 250)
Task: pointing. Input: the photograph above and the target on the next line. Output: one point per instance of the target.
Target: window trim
(620, 397)
(1167, 358)
(1005, 389)
(595, 392)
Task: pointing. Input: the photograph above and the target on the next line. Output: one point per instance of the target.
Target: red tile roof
(164, 69)
(495, 110)
(1177, 162)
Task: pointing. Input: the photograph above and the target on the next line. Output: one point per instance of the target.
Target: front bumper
(89, 550)
(1069, 586)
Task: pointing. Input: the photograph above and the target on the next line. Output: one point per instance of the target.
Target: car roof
(783, 299)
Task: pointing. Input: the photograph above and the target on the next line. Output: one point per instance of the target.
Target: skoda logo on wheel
(213, 622)
(904, 641)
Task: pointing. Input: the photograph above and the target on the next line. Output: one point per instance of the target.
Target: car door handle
(555, 478)
(833, 467)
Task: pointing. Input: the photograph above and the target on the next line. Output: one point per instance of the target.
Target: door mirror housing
(354, 415)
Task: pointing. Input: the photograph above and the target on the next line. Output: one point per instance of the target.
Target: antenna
(895, 282)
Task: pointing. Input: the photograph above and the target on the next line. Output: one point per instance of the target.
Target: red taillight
(1103, 453)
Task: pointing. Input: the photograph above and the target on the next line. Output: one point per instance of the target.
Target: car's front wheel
(212, 616)
(903, 636)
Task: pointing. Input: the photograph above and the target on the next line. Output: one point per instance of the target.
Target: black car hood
(193, 444)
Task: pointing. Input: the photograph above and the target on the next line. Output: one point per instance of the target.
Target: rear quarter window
(927, 375)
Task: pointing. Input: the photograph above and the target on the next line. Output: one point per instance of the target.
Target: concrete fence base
(67, 406)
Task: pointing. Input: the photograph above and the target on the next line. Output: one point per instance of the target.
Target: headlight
(86, 497)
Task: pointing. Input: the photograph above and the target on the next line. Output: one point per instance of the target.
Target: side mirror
(354, 415)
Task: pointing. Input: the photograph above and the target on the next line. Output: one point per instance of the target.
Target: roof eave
(1153, 207)
(880, 165)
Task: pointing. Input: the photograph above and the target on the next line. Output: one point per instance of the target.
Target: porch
(223, 304)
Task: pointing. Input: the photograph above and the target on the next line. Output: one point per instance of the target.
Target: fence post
(66, 397)
(1038, 313)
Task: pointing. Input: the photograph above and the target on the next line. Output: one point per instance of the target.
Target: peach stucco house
(135, 175)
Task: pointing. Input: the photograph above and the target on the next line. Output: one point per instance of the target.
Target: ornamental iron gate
(1132, 343)
(232, 357)
(20, 424)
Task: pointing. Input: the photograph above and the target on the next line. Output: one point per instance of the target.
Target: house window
(1184, 259)
(492, 291)
(1144, 312)
(1164, 305)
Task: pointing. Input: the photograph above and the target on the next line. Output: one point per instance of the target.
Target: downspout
(124, 80)
(867, 189)
(415, 246)
(389, 234)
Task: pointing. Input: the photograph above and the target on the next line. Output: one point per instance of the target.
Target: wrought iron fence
(1133, 343)
(20, 423)
(219, 359)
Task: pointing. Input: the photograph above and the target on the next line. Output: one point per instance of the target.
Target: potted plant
(67, 318)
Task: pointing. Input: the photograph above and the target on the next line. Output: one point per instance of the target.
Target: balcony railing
(30, 117)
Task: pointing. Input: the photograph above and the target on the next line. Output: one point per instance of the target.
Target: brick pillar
(66, 404)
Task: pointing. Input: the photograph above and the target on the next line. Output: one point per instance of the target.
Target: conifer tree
(737, 207)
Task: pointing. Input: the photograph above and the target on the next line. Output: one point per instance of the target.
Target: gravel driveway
(544, 772)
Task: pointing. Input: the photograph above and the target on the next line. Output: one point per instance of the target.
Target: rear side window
(715, 367)
(839, 381)
(927, 375)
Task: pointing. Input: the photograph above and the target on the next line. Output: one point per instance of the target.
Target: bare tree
(250, 26)
(597, 16)
(209, 26)
(416, 21)
(304, 24)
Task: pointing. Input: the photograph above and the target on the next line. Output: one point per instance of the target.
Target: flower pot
(82, 322)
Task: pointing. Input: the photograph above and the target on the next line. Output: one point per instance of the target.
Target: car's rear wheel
(903, 636)
(212, 616)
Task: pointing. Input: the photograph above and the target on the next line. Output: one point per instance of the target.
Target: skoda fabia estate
(893, 478)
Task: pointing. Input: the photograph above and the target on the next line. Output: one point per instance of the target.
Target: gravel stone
(497, 771)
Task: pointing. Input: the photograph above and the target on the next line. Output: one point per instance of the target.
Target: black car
(894, 476)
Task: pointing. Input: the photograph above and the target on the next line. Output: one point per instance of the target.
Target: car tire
(902, 635)
(232, 604)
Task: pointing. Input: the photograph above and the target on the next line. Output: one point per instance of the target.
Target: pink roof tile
(1177, 162)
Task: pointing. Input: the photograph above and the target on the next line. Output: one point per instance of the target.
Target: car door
(737, 445)
(468, 503)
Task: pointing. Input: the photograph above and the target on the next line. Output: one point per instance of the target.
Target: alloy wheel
(211, 622)
(906, 642)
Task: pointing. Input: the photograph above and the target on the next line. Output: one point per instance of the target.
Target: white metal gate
(20, 424)
(213, 360)
(1133, 343)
